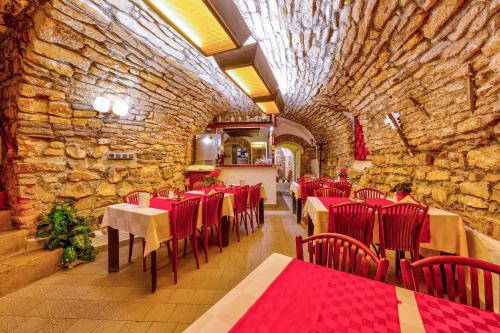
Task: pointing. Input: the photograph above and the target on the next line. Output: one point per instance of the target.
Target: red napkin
(379, 202)
(334, 201)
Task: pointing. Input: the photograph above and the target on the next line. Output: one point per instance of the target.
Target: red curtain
(360, 151)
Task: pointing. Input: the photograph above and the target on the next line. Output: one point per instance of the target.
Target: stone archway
(307, 151)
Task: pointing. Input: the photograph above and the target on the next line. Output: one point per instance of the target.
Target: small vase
(401, 195)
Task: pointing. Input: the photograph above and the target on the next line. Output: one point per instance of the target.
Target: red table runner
(312, 298)
(158, 203)
(379, 202)
(334, 201)
(441, 315)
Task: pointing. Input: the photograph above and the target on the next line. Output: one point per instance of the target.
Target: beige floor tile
(135, 327)
(109, 326)
(182, 296)
(162, 328)
(184, 313)
(160, 312)
(181, 328)
(84, 326)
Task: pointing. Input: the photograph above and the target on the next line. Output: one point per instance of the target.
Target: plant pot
(3, 200)
(401, 195)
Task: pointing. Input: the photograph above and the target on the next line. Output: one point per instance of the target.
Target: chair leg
(185, 246)
(257, 217)
(175, 245)
(219, 235)
(237, 226)
(251, 220)
(130, 247)
(143, 257)
(194, 243)
(169, 250)
(205, 242)
(244, 217)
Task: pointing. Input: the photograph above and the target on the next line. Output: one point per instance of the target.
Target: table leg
(299, 210)
(225, 227)
(153, 271)
(294, 203)
(310, 226)
(113, 250)
(261, 211)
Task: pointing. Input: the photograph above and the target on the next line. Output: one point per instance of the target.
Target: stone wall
(307, 153)
(398, 50)
(75, 50)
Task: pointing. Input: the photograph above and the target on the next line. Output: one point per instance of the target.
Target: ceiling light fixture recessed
(211, 26)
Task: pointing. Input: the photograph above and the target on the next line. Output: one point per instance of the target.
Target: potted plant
(402, 190)
(211, 178)
(64, 228)
(343, 174)
(3, 197)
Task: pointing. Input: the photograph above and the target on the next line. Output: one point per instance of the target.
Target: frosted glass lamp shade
(120, 108)
(102, 104)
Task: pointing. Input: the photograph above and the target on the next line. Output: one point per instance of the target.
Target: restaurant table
(151, 223)
(263, 197)
(288, 295)
(447, 231)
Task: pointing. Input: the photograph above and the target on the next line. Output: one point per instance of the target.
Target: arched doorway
(289, 160)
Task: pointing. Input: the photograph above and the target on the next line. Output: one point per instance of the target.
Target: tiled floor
(88, 299)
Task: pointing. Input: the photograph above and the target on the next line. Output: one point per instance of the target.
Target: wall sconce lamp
(211, 26)
(103, 105)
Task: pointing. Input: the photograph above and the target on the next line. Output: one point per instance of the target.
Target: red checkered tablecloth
(443, 316)
(312, 298)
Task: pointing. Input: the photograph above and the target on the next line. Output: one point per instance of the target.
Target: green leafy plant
(64, 228)
(402, 187)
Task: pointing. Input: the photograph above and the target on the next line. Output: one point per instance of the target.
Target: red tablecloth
(441, 315)
(161, 203)
(334, 201)
(379, 202)
(312, 298)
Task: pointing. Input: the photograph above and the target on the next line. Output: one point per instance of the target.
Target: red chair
(164, 191)
(240, 208)
(304, 179)
(198, 186)
(342, 253)
(400, 229)
(307, 189)
(183, 218)
(254, 199)
(133, 198)
(354, 219)
(448, 275)
(212, 215)
(344, 187)
(369, 193)
(329, 192)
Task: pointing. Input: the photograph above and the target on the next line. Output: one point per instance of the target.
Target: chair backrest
(212, 208)
(400, 227)
(164, 191)
(240, 199)
(344, 187)
(255, 195)
(354, 219)
(458, 272)
(184, 215)
(342, 253)
(133, 197)
(307, 188)
(304, 179)
(197, 186)
(329, 192)
(369, 193)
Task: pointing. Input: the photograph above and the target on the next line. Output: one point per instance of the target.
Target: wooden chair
(133, 198)
(240, 208)
(164, 191)
(253, 205)
(329, 192)
(212, 215)
(354, 219)
(448, 276)
(198, 186)
(400, 229)
(369, 193)
(344, 187)
(342, 253)
(183, 220)
(307, 189)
